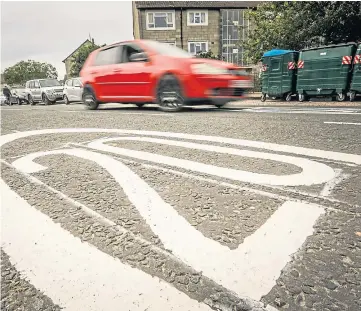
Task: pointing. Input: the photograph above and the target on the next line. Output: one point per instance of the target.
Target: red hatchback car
(144, 71)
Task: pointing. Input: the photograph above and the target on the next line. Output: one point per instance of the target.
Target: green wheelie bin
(278, 77)
(355, 88)
(325, 71)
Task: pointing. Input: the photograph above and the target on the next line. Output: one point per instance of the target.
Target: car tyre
(219, 106)
(169, 94)
(18, 101)
(140, 105)
(263, 98)
(66, 100)
(89, 99)
(45, 99)
(301, 97)
(288, 97)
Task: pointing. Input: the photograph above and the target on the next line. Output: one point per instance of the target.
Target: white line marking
(329, 186)
(346, 123)
(273, 242)
(301, 111)
(331, 155)
(312, 172)
(90, 212)
(76, 275)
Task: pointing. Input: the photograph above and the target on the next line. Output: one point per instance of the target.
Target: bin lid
(277, 52)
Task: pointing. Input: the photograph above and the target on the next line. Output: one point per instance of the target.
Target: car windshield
(167, 49)
(49, 83)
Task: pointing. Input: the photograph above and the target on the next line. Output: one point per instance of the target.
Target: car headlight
(206, 69)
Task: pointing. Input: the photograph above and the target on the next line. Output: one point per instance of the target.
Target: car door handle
(117, 70)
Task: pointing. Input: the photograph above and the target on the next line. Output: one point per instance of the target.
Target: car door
(136, 75)
(77, 90)
(36, 91)
(68, 89)
(105, 72)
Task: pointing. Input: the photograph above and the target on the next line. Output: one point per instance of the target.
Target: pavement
(249, 207)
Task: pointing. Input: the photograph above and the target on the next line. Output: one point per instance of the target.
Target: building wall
(209, 33)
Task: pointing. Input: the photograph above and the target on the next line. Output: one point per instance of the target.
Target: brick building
(219, 26)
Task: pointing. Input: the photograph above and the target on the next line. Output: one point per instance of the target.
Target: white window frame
(197, 12)
(160, 12)
(197, 42)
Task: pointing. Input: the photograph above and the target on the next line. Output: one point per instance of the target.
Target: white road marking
(345, 123)
(331, 155)
(329, 186)
(273, 242)
(313, 172)
(305, 111)
(226, 266)
(130, 113)
(76, 275)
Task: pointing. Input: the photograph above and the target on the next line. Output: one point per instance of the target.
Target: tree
(80, 56)
(297, 25)
(28, 70)
(208, 54)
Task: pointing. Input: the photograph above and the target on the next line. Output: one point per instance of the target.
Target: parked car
(47, 91)
(3, 100)
(73, 91)
(144, 71)
(18, 96)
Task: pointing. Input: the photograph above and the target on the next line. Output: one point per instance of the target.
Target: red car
(144, 71)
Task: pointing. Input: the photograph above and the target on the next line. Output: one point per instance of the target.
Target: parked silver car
(73, 91)
(47, 91)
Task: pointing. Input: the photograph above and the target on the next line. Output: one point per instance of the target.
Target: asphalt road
(208, 209)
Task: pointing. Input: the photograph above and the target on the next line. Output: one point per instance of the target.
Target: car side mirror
(138, 57)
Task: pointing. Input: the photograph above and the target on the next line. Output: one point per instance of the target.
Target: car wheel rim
(169, 95)
(89, 99)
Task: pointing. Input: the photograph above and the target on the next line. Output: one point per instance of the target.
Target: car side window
(36, 84)
(76, 83)
(108, 56)
(31, 84)
(69, 82)
(129, 49)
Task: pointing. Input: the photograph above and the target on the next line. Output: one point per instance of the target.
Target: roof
(277, 52)
(87, 40)
(330, 46)
(195, 4)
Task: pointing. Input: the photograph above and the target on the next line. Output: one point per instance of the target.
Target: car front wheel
(89, 100)
(45, 99)
(66, 100)
(31, 100)
(169, 94)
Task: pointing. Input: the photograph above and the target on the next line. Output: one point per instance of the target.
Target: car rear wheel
(301, 97)
(66, 100)
(18, 101)
(169, 94)
(45, 99)
(89, 100)
(263, 98)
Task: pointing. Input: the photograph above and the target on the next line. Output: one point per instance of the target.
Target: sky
(48, 31)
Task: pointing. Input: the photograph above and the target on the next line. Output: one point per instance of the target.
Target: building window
(161, 20)
(197, 18)
(197, 47)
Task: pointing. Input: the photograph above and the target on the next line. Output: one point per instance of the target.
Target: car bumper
(216, 90)
(58, 96)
